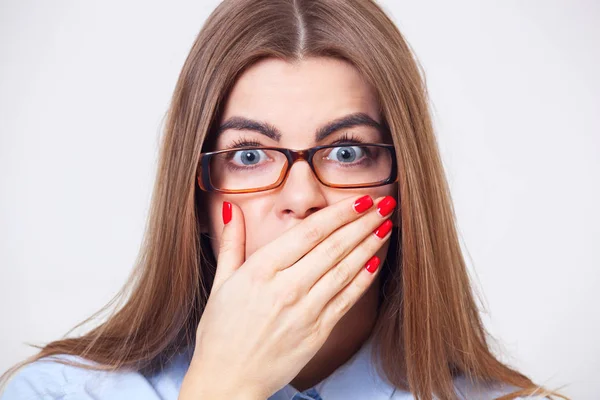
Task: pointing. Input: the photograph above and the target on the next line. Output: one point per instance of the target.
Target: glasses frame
(203, 176)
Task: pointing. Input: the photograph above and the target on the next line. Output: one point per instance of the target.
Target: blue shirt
(355, 379)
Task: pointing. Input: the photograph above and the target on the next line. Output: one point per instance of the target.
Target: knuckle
(341, 274)
(258, 276)
(312, 234)
(309, 314)
(340, 216)
(317, 334)
(287, 297)
(334, 250)
(342, 304)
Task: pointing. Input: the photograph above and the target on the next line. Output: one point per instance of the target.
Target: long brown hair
(428, 330)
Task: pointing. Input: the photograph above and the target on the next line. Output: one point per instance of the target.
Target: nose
(301, 193)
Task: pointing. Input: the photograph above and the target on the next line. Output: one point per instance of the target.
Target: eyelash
(243, 142)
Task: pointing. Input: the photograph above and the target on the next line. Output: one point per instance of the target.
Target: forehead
(299, 97)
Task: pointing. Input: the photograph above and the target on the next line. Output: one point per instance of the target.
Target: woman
(274, 265)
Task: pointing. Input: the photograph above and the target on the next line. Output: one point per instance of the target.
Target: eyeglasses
(254, 169)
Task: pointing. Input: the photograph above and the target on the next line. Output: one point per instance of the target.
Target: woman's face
(296, 99)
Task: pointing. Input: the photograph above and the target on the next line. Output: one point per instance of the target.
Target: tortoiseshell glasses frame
(204, 182)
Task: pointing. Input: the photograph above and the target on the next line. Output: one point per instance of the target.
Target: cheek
(258, 230)
(389, 190)
(255, 221)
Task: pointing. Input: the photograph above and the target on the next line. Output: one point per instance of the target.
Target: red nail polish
(383, 229)
(363, 204)
(226, 212)
(373, 264)
(386, 206)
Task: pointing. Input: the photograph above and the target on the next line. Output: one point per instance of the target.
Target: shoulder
(50, 379)
(469, 389)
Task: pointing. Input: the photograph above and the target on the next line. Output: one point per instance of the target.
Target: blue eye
(346, 154)
(247, 157)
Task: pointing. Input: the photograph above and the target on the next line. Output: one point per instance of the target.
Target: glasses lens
(344, 165)
(246, 169)
(353, 164)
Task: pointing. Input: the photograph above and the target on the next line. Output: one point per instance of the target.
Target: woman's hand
(267, 316)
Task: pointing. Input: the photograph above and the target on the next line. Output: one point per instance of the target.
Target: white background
(515, 92)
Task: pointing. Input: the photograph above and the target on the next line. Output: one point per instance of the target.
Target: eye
(346, 154)
(248, 157)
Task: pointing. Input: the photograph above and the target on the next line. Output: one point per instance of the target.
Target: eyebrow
(348, 121)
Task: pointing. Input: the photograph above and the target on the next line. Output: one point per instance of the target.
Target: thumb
(232, 247)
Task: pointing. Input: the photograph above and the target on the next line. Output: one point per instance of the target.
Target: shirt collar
(357, 378)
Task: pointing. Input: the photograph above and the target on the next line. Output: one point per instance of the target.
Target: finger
(314, 265)
(337, 292)
(294, 243)
(232, 246)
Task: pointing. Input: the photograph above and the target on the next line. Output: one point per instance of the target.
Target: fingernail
(386, 206)
(373, 264)
(226, 212)
(383, 229)
(363, 204)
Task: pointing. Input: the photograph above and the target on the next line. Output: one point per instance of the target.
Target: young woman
(301, 241)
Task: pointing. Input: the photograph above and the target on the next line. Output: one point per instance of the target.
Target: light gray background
(515, 90)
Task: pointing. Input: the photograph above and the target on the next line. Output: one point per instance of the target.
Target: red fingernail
(372, 264)
(363, 204)
(383, 229)
(386, 206)
(226, 212)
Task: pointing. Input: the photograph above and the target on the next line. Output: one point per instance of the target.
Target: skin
(297, 99)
